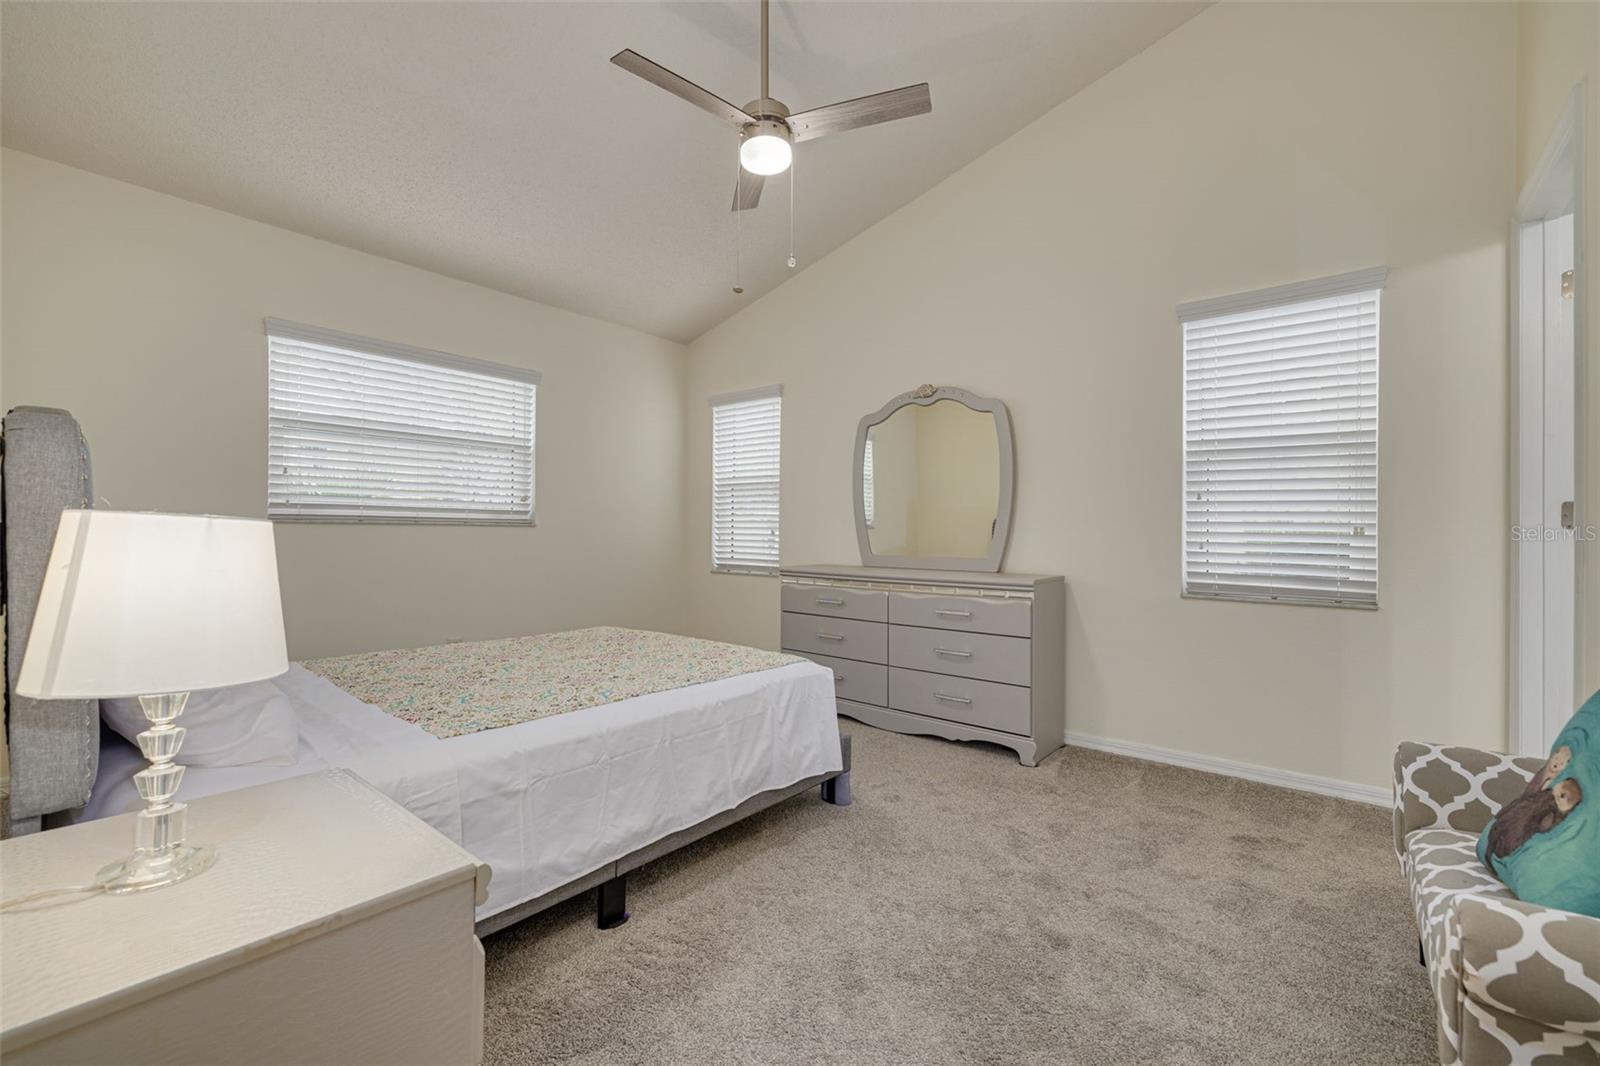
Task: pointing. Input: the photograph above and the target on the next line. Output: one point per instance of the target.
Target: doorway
(1545, 471)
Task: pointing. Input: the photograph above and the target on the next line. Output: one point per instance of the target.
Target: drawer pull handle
(953, 652)
(827, 601)
(838, 679)
(830, 636)
(945, 612)
(964, 701)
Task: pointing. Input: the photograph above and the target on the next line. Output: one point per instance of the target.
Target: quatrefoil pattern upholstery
(1512, 982)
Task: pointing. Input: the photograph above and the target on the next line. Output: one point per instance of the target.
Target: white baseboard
(1322, 786)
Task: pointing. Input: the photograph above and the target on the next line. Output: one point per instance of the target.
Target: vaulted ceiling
(495, 143)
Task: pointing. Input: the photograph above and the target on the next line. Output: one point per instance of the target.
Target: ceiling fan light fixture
(765, 149)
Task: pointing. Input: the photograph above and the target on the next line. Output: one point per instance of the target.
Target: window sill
(1291, 601)
(366, 520)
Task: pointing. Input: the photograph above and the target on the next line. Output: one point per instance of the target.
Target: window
(1280, 444)
(868, 496)
(365, 430)
(744, 480)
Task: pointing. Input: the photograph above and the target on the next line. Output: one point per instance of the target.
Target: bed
(571, 800)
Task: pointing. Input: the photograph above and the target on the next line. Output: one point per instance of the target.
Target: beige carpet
(969, 910)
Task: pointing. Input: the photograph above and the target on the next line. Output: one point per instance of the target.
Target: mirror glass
(931, 481)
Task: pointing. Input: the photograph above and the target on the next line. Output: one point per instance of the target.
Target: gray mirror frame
(926, 396)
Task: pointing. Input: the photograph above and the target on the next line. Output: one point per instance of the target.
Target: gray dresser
(954, 654)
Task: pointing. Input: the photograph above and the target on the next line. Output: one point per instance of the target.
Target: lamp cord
(47, 893)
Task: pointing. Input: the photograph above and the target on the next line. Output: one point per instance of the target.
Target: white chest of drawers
(944, 653)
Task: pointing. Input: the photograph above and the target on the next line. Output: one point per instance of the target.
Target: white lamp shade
(135, 604)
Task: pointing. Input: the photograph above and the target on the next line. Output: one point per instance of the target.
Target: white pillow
(241, 725)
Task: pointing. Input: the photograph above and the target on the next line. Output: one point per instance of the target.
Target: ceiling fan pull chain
(738, 204)
(791, 214)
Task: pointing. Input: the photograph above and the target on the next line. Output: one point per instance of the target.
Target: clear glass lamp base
(160, 855)
(138, 872)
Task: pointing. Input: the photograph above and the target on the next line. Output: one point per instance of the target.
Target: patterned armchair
(1512, 982)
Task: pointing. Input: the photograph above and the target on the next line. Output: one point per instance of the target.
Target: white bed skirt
(546, 802)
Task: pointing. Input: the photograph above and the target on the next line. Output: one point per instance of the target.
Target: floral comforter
(453, 689)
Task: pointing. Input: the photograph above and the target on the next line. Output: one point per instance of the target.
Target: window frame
(297, 331)
(765, 392)
(1353, 283)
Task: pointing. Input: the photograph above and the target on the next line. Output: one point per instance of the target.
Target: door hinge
(1566, 284)
(1569, 519)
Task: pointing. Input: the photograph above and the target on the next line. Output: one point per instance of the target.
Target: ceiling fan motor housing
(766, 107)
(769, 127)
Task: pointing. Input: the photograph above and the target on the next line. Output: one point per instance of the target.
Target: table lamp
(154, 606)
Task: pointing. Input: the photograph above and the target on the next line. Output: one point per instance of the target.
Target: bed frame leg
(836, 790)
(611, 900)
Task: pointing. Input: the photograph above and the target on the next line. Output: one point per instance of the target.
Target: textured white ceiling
(495, 143)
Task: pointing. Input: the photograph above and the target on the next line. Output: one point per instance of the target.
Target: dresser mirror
(933, 481)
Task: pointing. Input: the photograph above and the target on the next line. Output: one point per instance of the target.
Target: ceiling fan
(767, 130)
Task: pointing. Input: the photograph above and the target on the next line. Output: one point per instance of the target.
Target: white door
(1546, 483)
(1560, 478)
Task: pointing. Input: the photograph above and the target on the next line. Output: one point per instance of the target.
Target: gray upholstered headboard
(54, 744)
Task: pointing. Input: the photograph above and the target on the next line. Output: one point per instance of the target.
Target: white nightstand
(336, 927)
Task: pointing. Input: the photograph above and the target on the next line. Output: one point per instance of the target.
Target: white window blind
(1280, 444)
(867, 493)
(366, 430)
(745, 431)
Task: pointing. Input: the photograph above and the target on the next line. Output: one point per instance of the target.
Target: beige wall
(142, 314)
(1558, 47)
(1257, 144)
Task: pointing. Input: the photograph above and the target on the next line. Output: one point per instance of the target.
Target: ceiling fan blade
(747, 193)
(862, 111)
(658, 75)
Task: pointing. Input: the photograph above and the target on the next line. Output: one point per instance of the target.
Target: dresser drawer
(864, 604)
(861, 682)
(971, 614)
(846, 638)
(980, 655)
(959, 699)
